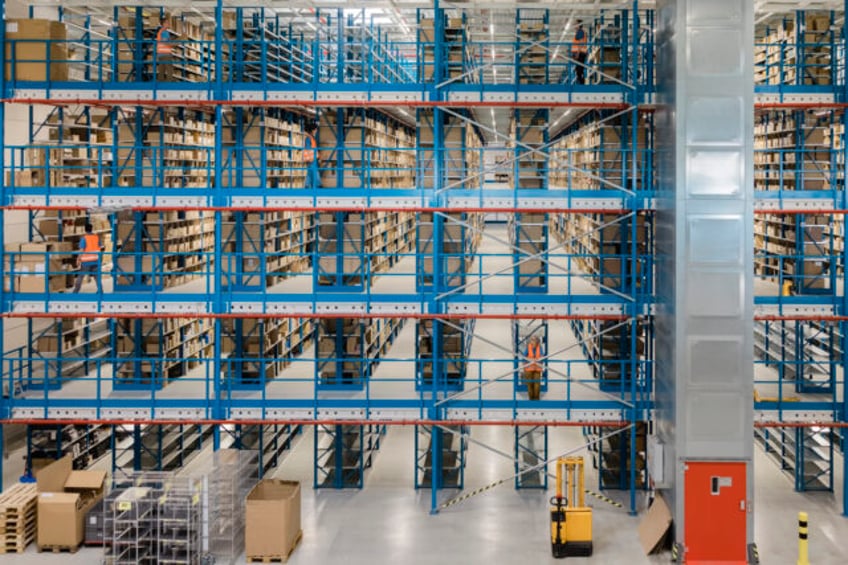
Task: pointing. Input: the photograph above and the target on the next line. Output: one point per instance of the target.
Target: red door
(715, 512)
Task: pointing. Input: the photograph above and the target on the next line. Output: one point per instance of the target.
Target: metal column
(704, 360)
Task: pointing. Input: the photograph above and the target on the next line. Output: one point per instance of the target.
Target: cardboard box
(31, 45)
(272, 518)
(64, 498)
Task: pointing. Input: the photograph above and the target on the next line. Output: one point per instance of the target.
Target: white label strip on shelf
(289, 202)
(179, 414)
(340, 202)
(793, 310)
(595, 98)
(126, 201)
(498, 96)
(340, 414)
(464, 96)
(395, 202)
(294, 308)
(341, 308)
(181, 201)
(127, 95)
(246, 308)
(765, 204)
(178, 95)
(181, 307)
(125, 413)
(28, 306)
(75, 94)
(793, 415)
(29, 200)
(596, 309)
(396, 96)
(394, 414)
(71, 307)
(78, 201)
(128, 307)
(396, 308)
(281, 95)
(30, 93)
(341, 96)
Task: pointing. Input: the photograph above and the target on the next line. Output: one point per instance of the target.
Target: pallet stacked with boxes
(152, 353)
(792, 52)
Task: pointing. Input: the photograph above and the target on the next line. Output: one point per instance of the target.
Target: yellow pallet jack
(571, 519)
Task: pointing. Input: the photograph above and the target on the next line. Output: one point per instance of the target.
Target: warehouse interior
(485, 282)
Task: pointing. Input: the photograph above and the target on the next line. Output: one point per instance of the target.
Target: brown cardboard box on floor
(272, 521)
(64, 498)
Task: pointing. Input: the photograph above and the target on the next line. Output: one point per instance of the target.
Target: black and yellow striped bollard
(803, 550)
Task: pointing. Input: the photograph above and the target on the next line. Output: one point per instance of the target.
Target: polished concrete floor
(390, 522)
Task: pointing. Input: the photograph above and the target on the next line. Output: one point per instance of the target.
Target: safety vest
(163, 47)
(91, 253)
(579, 44)
(309, 151)
(534, 354)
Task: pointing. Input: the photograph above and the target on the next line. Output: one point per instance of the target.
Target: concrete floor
(390, 522)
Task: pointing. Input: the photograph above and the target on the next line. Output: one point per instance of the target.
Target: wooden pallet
(58, 548)
(17, 517)
(276, 558)
(18, 543)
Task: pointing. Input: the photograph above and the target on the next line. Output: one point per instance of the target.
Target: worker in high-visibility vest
(310, 157)
(88, 261)
(533, 370)
(164, 51)
(578, 52)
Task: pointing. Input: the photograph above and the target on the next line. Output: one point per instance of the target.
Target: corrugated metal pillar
(704, 379)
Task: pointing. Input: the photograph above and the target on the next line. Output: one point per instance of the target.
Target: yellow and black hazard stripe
(603, 498)
(474, 492)
(675, 553)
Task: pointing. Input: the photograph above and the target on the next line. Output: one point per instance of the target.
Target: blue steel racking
(322, 76)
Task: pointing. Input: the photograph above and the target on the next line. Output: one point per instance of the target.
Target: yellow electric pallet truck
(571, 519)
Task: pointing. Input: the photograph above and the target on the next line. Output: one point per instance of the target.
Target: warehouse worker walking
(310, 157)
(164, 50)
(89, 260)
(533, 371)
(578, 52)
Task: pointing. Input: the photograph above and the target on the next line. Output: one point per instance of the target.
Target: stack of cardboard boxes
(36, 50)
(65, 497)
(38, 267)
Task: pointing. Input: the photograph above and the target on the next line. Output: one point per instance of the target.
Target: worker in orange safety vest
(310, 157)
(578, 52)
(164, 51)
(533, 370)
(88, 261)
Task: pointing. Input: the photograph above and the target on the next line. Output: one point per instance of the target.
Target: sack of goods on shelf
(18, 517)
